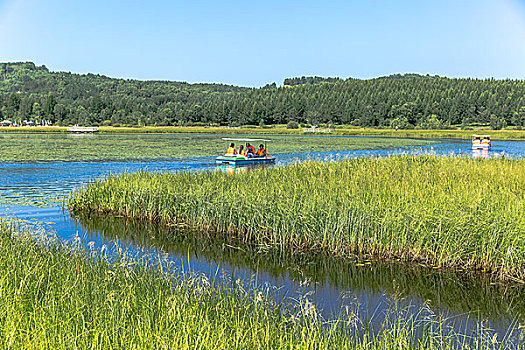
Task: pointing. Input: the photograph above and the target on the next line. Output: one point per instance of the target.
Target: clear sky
(252, 43)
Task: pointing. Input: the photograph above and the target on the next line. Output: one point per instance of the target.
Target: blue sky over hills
(253, 43)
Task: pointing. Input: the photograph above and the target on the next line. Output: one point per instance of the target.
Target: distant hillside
(405, 101)
(31, 92)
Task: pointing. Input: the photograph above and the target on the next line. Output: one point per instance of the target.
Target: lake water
(333, 286)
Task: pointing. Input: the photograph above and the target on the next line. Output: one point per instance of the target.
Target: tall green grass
(57, 296)
(446, 212)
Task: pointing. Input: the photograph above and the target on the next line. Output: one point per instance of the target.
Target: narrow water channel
(332, 285)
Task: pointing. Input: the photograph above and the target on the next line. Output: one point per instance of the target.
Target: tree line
(30, 92)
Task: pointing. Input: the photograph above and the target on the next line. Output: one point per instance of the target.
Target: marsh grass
(444, 212)
(432, 134)
(341, 130)
(119, 147)
(40, 201)
(57, 296)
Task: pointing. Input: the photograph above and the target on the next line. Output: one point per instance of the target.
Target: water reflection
(239, 169)
(480, 153)
(334, 283)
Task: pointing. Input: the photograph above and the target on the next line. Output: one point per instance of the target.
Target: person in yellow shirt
(231, 150)
(241, 150)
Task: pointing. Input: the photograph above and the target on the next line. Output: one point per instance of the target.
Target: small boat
(481, 141)
(237, 159)
(82, 129)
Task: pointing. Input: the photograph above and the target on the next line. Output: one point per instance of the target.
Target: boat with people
(245, 154)
(481, 141)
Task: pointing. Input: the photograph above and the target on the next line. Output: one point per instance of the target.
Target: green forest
(30, 92)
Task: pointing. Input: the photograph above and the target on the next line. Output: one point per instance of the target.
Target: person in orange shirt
(261, 152)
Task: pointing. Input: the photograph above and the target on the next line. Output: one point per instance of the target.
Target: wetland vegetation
(338, 130)
(58, 147)
(59, 296)
(444, 212)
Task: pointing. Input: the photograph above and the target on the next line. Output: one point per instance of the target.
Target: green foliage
(292, 124)
(308, 80)
(431, 122)
(405, 101)
(497, 123)
(401, 123)
(456, 212)
(27, 91)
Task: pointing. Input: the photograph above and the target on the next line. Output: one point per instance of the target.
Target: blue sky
(254, 43)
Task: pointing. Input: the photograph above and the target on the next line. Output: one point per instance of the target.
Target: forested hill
(31, 92)
(405, 101)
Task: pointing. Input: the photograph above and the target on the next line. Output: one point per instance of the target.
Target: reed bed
(58, 296)
(442, 211)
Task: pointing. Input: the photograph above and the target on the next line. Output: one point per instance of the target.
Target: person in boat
(250, 150)
(261, 152)
(241, 150)
(231, 150)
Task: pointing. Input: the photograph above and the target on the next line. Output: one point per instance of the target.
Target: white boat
(481, 141)
(82, 129)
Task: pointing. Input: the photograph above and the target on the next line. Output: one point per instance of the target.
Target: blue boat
(240, 160)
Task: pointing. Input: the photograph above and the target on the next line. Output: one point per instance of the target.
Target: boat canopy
(481, 136)
(245, 140)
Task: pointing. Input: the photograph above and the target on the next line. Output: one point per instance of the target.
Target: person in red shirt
(250, 150)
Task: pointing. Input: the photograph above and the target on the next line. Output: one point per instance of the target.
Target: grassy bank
(446, 212)
(59, 297)
(281, 130)
(52, 147)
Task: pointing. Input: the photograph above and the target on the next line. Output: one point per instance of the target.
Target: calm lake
(32, 192)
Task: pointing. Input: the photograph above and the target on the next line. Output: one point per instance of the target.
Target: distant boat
(82, 129)
(481, 141)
